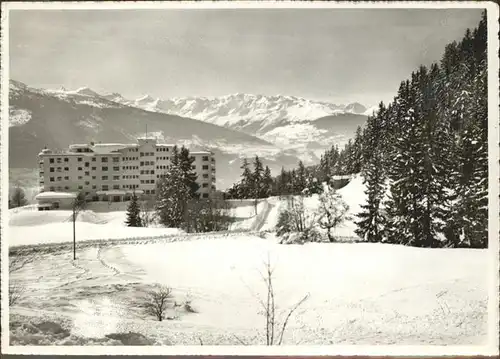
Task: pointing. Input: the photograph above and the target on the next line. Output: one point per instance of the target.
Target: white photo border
(380, 350)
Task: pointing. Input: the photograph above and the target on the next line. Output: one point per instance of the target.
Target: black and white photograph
(250, 177)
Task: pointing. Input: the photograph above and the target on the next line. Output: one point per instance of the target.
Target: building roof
(109, 148)
(112, 192)
(55, 195)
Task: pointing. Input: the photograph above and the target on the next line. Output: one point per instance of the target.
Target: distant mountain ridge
(286, 121)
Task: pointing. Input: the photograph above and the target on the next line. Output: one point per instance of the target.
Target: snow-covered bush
(296, 223)
(332, 210)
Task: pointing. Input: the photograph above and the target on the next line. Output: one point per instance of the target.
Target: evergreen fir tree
(301, 179)
(257, 178)
(185, 163)
(246, 181)
(371, 224)
(357, 151)
(268, 183)
(174, 158)
(172, 196)
(133, 213)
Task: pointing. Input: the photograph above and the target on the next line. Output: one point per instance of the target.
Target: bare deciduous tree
(156, 302)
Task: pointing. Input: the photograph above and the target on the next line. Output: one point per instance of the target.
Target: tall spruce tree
(371, 223)
(185, 163)
(246, 180)
(257, 178)
(133, 212)
(268, 183)
(171, 198)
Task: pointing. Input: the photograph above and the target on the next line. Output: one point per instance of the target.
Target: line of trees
(425, 159)
(256, 183)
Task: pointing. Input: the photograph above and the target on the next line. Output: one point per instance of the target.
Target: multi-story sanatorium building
(112, 172)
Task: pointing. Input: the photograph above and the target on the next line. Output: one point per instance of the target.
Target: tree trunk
(330, 237)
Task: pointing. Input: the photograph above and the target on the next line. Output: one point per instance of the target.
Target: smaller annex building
(55, 200)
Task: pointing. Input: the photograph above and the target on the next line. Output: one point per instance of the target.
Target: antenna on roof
(146, 131)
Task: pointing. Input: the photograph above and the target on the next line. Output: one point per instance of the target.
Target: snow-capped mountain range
(289, 122)
(280, 129)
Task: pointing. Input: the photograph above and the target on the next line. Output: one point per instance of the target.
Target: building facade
(112, 172)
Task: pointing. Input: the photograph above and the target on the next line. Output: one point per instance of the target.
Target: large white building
(112, 172)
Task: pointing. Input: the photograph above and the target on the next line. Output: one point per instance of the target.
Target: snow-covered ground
(358, 293)
(102, 221)
(30, 227)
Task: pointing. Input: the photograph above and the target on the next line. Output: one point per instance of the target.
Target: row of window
(66, 178)
(115, 187)
(80, 159)
(59, 169)
(146, 154)
(117, 178)
(117, 159)
(117, 168)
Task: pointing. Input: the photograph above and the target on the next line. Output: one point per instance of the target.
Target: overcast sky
(337, 55)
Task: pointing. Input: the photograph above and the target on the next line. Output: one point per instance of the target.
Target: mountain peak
(86, 91)
(145, 98)
(355, 107)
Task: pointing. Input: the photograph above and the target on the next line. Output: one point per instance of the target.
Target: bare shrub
(188, 306)
(147, 213)
(206, 215)
(276, 320)
(156, 302)
(16, 293)
(16, 263)
(296, 223)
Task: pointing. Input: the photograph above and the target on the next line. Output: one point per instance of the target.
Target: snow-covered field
(30, 227)
(357, 293)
